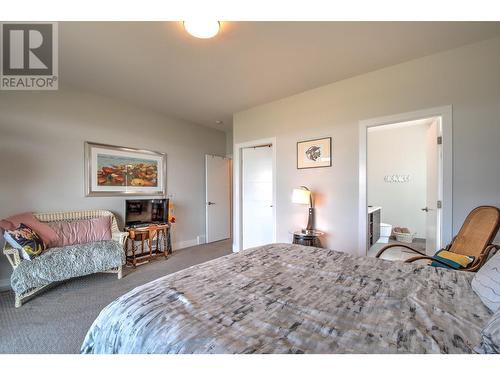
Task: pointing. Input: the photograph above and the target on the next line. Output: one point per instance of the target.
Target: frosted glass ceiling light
(202, 29)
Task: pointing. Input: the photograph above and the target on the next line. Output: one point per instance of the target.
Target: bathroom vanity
(373, 225)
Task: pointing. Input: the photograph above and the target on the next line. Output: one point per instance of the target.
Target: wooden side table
(308, 238)
(157, 241)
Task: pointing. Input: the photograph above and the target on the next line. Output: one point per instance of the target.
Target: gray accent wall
(42, 137)
(468, 78)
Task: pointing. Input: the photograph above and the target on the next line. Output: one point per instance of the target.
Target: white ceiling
(158, 66)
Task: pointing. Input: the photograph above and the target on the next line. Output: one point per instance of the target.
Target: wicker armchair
(15, 259)
(474, 238)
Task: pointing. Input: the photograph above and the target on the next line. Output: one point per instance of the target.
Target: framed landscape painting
(113, 170)
(315, 153)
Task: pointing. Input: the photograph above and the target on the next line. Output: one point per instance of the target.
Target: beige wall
(400, 151)
(467, 78)
(229, 142)
(42, 163)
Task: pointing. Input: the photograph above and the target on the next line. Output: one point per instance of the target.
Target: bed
(283, 298)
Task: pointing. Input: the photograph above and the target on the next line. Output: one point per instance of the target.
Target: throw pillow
(45, 232)
(81, 231)
(26, 240)
(486, 283)
(490, 336)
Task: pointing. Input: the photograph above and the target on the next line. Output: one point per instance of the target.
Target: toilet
(385, 233)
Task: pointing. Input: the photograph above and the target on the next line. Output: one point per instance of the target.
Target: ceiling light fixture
(202, 29)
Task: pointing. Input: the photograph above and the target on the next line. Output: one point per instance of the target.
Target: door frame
(445, 177)
(238, 186)
(206, 193)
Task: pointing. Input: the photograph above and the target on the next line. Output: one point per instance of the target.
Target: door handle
(210, 203)
(426, 209)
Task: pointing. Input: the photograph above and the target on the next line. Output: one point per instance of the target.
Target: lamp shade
(301, 196)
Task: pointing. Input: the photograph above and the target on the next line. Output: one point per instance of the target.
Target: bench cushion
(62, 263)
(81, 231)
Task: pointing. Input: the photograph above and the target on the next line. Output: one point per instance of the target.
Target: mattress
(283, 298)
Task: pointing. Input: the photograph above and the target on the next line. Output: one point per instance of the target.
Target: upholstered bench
(62, 263)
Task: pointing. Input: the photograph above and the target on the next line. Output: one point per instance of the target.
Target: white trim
(445, 113)
(237, 202)
(183, 244)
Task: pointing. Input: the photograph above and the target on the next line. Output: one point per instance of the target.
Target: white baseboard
(201, 240)
(184, 244)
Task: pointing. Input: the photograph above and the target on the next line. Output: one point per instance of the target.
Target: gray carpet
(57, 320)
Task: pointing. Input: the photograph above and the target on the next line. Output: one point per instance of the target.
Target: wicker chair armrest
(397, 245)
(491, 247)
(12, 255)
(120, 237)
(487, 253)
(7, 250)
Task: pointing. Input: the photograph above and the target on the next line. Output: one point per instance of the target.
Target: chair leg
(120, 272)
(387, 247)
(18, 302)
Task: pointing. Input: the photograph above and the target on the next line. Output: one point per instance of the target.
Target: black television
(140, 212)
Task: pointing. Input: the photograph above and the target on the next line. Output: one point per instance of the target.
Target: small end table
(157, 238)
(307, 237)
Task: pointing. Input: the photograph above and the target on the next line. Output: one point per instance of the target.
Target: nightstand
(307, 238)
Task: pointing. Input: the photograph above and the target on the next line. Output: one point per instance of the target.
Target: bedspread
(283, 298)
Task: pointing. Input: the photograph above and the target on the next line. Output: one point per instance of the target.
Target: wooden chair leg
(120, 274)
(387, 247)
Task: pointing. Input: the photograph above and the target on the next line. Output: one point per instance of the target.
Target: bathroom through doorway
(405, 182)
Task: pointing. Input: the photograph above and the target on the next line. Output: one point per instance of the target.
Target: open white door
(434, 155)
(257, 196)
(218, 199)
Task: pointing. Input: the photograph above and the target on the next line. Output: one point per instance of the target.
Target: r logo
(28, 56)
(27, 49)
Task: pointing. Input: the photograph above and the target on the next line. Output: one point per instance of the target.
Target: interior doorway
(254, 194)
(218, 198)
(403, 164)
(405, 182)
(257, 195)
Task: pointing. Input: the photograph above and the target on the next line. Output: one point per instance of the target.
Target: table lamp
(304, 196)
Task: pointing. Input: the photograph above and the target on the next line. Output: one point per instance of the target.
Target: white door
(218, 199)
(433, 152)
(257, 196)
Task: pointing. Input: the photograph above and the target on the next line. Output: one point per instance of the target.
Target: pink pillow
(81, 231)
(46, 233)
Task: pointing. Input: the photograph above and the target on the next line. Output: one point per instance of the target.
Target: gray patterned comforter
(285, 298)
(63, 263)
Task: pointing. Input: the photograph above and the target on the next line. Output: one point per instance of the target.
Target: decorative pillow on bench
(26, 240)
(81, 231)
(45, 232)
